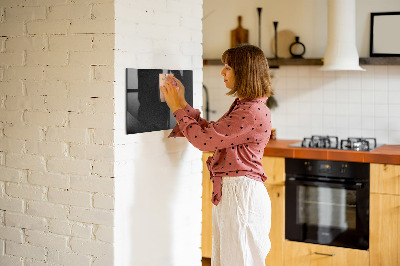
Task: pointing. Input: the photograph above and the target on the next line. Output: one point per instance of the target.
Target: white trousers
(241, 223)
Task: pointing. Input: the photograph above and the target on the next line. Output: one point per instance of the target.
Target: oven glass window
(326, 207)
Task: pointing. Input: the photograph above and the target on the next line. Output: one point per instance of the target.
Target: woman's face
(229, 76)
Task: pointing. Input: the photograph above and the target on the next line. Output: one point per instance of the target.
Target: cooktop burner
(332, 142)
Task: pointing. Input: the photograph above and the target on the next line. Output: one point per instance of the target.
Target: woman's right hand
(181, 91)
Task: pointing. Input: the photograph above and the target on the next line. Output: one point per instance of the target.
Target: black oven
(327, 202)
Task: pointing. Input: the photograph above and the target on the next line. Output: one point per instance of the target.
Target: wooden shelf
(274, 63)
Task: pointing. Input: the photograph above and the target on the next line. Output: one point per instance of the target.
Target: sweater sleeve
(229, 131)
(193, 113)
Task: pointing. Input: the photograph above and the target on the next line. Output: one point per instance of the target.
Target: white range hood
(341, 51)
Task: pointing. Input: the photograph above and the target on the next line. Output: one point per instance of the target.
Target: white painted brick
(104, 73)
(48, 179)
(24, 73)
(12, 204)
(46, 209)
(46, 118)
(93, 184)
(69, 12)
(68, 258)
(191, 48)
(11, 59)
(95, 216)
(104, 169)
(25, 221)
(74, 135)
(46, 148)
(82, 230)
(11, 117)
(31, 43)
(25, 250)
(60, 227)
(91, 26)
(97, 57)
(11, 260)
(25, 103)
(71, 42)
(105, 260)
(101, 136)
(3, 44)
(97, 105)
(25, 191)
(11, 233)
(56, 103)
(91, 89)
(11, 88)
(46, 27)
(47, 240)
(91, 247)
(70, 166)
(92, 151)
(47, 58)
(103, 202)
(25, 161)
(24, 132)
(12, 145)
(103, 41)
(46, 2)
(81, 73)
(32, 262)
(103, 11)
(46, 88)
(98, 120)
(69, 197)
(12, 28)
(105, 233)
(24, 13)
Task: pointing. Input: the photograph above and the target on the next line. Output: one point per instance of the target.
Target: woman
(242, 208)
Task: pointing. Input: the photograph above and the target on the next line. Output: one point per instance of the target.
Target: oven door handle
(357, 185)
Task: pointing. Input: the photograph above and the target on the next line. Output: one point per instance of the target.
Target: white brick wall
(56, 132)
(156, 177)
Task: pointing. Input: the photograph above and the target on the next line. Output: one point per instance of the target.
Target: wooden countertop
(389, 154)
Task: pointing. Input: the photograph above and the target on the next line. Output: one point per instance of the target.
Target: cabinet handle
(325, 254)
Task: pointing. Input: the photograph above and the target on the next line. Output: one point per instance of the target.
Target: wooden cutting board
(239, 35)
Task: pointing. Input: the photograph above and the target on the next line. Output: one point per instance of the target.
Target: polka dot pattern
(238, 139)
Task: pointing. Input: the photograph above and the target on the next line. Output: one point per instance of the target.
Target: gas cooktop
(332, 142)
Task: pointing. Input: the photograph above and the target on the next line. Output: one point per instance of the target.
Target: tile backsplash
(314, 102)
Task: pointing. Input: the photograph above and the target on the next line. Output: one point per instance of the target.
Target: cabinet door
(304, 254)
(384, 229)
(277, 233)
(274, 168)
(385, 178)
(206, 232)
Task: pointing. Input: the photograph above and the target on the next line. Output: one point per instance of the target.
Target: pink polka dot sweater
(238, 139)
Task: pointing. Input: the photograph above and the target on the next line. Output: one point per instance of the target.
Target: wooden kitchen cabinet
(274, 168)
(385, 178)
(384, 237)
(305, 254)
(206, 225)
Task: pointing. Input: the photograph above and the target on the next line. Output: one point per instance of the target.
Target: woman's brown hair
(250, 66)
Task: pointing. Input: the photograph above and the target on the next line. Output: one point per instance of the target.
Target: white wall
(305, 18)
(56, 132)
(344, 103)
(158, 180)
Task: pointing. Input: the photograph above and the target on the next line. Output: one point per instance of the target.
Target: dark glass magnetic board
(145, 110)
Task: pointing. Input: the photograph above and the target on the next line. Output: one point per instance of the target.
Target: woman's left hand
(171, 94)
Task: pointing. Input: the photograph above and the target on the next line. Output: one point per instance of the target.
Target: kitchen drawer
(305, 254)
